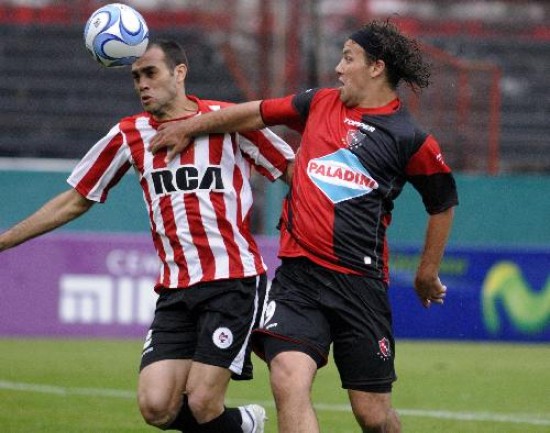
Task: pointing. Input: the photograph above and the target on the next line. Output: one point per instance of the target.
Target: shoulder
(407, 128)
(132, 122)
(206, 105)
(317, 94)
(305, 100)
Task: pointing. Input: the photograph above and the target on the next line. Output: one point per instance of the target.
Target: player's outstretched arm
(176, 136)
(427, 283)
(58, 211)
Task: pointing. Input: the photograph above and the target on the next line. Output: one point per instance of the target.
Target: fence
(264, 48)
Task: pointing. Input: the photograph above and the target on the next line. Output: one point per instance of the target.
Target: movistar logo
(341, 176)
(528, 310)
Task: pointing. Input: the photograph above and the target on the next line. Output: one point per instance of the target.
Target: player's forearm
(437, 234)
(236, 118)
(55, 213)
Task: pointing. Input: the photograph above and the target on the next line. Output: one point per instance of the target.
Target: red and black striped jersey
(352, 164)
(198, 204)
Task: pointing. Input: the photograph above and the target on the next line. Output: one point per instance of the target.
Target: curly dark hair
(382, 40)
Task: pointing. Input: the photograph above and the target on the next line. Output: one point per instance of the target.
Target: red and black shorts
(310, 307)
(209, 323)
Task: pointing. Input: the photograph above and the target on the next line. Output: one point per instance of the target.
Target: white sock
(247, 424)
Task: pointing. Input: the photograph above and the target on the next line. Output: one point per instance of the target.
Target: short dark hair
(173, 52)
(382, 40)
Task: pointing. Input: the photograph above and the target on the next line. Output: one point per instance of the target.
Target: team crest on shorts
(384, 349)
(222, 338)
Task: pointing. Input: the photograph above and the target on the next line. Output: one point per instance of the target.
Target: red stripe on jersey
(268, 151)
(134, 141)
(281, 111)
(386, 221)
(427, 160)
(235, 264)
(198, 234)
(224, 226)
(169, 222)
(234, 144)
(127, 126)
(116, 178)
(244, 223)
(215, 148)
(100, 165)
(137, 150)
(163, 278)
(187, 157)
(252, 246)
(170, 227)
(192, 208)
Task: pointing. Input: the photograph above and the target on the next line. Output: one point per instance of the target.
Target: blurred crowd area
(487, 104)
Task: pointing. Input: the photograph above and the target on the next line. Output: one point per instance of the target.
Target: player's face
(353, 74)
(156, 85)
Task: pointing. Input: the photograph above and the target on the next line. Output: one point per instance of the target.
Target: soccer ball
(116, 35)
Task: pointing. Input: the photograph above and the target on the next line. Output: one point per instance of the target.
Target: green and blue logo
(528, 310)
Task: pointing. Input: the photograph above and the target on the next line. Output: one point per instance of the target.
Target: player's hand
(171, 136)
(429, 289)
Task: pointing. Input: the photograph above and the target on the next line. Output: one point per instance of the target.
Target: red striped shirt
(198, 204)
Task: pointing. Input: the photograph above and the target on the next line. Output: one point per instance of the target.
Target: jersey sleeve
(429, 174)
(102, 167)
(266, 151)
(282, 111)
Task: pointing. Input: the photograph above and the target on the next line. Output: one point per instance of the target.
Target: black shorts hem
(277, 343)
(379, 387)
(148, 361)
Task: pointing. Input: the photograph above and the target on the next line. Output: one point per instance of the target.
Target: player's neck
(377, 98)
(183, 107)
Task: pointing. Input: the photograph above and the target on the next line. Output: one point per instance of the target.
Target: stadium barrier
(100, 285)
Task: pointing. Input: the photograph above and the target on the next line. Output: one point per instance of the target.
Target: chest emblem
(354, 138)
(340, 176)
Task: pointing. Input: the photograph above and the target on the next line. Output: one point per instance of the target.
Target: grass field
(72, 386)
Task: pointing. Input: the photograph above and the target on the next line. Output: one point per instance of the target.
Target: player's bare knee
(204, 405)
(281, 377)
(286, 382)
(372, 425)
(156, 418)
(157, 410)
(378, 422)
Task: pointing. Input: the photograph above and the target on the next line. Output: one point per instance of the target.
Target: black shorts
(209, 323)
(309, 307)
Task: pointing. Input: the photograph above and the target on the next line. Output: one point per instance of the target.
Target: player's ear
(181, 72)
(378, 66)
